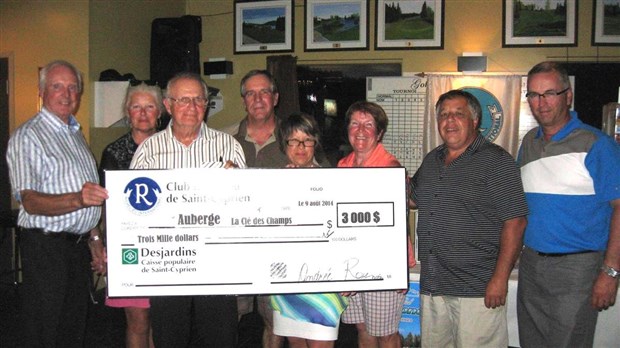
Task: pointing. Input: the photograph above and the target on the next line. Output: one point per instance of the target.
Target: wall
(120, 39)
(471, 25)
(120, 34)
(93, 35)
(96, 35)
(33, 33)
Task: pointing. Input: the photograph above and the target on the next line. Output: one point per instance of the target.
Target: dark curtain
(284, 70)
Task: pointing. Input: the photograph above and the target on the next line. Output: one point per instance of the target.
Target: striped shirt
(462, 208)
(48, 156)
(211, 149)
(569, 182)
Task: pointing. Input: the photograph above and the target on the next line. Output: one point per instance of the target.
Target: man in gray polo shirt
(470, 226)
(258, 136)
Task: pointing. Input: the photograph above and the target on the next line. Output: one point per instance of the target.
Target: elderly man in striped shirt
(187, 142)
(470, 230)
(54, 178)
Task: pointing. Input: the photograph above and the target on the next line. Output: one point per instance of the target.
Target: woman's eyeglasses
(306, 143)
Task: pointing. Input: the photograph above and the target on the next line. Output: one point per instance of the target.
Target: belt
(563, 254)
(68, 236)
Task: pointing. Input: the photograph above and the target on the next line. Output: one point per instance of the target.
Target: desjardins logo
(130, 256)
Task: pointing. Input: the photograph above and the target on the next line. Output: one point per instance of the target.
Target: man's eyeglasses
(185, 101)
(547, 94)
(306, 143)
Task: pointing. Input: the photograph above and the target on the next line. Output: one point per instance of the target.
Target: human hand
(604, 292)
(99, 256)
(496, 292)
(92, 194)
(230, 164)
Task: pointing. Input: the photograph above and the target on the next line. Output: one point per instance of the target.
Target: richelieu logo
(142, 194)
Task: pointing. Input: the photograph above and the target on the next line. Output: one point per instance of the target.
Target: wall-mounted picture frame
(531, 23)
(606, 23)
(264, 26)
(336, 25)
(409, 24)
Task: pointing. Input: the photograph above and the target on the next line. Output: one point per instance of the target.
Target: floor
(106, 326)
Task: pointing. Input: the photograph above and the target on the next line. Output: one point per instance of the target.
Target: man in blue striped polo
(470, 226)
(54, 178)
(570, 265)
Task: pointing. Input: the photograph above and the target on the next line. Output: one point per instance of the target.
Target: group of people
(557, 207)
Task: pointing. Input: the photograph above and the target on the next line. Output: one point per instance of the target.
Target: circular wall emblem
(142, 193)
(492, 117)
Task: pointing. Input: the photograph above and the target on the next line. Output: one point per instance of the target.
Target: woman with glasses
(307, 320)
(143, 106)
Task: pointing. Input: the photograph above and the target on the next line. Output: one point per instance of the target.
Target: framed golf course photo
(533, 23)
(409, 24)
(336, 25)
(263, 26)
(606, 23)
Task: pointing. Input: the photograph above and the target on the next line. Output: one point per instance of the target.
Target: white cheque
(255, 231)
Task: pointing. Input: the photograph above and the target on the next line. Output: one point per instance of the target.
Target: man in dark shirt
(470, 227)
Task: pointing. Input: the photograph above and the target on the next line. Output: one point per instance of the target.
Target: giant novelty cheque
(255, 231)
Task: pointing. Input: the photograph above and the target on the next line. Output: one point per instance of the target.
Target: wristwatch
(610, 271)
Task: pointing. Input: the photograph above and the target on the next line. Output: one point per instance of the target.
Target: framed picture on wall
(336, 25)
(263, 26)
(409, 24)
(606, 23)
(539, 23)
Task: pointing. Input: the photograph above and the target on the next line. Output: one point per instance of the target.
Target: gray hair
(46, 69)
(154, 91)
(187, 76)
(272, 83)
(472, 102)
(546, 67)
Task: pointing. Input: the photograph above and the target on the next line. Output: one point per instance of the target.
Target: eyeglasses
(547, 94)
(456, 115)
(185, 101)
(261, 93)
(306, 143)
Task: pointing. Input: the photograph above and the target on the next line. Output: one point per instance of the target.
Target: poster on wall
(409, 328)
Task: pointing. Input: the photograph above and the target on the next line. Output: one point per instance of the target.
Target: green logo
(130, 256)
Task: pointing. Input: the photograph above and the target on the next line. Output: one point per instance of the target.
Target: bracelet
(93, 239)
